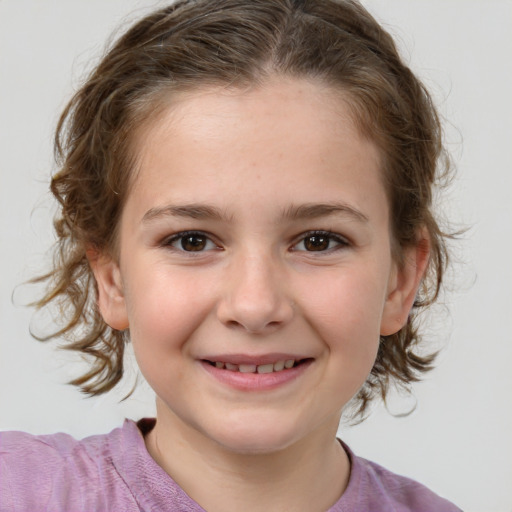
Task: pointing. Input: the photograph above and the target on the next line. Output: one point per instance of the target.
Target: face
(255, 270)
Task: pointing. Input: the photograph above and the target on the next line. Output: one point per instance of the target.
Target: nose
(254, 296)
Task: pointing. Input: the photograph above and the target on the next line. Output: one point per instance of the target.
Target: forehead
(304, 110)
(285, 131)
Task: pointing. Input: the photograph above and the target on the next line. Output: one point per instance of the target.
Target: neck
(222, 480)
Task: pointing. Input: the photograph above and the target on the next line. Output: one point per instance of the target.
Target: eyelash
(340, 241)
(168, 242)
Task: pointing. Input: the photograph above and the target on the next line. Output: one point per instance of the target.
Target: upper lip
(253, 359)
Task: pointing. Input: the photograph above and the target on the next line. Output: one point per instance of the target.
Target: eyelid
(341, 240)
(168, 241)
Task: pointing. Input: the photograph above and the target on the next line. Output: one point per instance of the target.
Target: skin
(253, 162)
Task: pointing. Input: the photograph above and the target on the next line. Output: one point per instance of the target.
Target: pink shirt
(114, 472)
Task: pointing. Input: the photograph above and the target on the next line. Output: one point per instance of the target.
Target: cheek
(346, 310)
(164, 310)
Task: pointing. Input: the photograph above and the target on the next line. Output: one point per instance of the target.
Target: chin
(256, 438)
(256, 444)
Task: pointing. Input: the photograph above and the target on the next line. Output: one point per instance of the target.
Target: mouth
(281, 365)
(256, 373)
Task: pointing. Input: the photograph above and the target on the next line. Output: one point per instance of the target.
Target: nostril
(255, 314)
(234, 324)
(253, 329)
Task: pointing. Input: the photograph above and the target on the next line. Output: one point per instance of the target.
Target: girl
(245, 192)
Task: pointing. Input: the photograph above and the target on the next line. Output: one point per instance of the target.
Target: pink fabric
(114, 472)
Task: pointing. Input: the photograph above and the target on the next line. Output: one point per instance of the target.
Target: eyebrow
(315, 210)
(191, 211)
(293, 212)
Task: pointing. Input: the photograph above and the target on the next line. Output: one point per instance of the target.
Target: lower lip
(256, 381)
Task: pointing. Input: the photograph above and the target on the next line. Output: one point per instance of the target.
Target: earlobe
(111, 300)
(404, 285)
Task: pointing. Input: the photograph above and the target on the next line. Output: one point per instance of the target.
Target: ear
(111, 301)
(403, 285)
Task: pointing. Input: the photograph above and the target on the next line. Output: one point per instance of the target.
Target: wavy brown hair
(195, 43)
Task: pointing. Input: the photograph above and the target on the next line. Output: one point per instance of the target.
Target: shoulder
(381, 489)
(106, 472)
(55, 472)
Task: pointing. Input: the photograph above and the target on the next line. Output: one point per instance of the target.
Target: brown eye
(190, 241)
(321, 241)
(316, 243)
(193, 242)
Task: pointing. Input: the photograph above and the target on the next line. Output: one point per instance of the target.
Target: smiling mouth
(278, 366)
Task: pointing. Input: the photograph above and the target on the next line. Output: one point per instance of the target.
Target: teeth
(247, 368)
(252, 368)
(278, 366)
(266, 368)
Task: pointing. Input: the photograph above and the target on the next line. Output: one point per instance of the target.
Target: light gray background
(458, 441)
